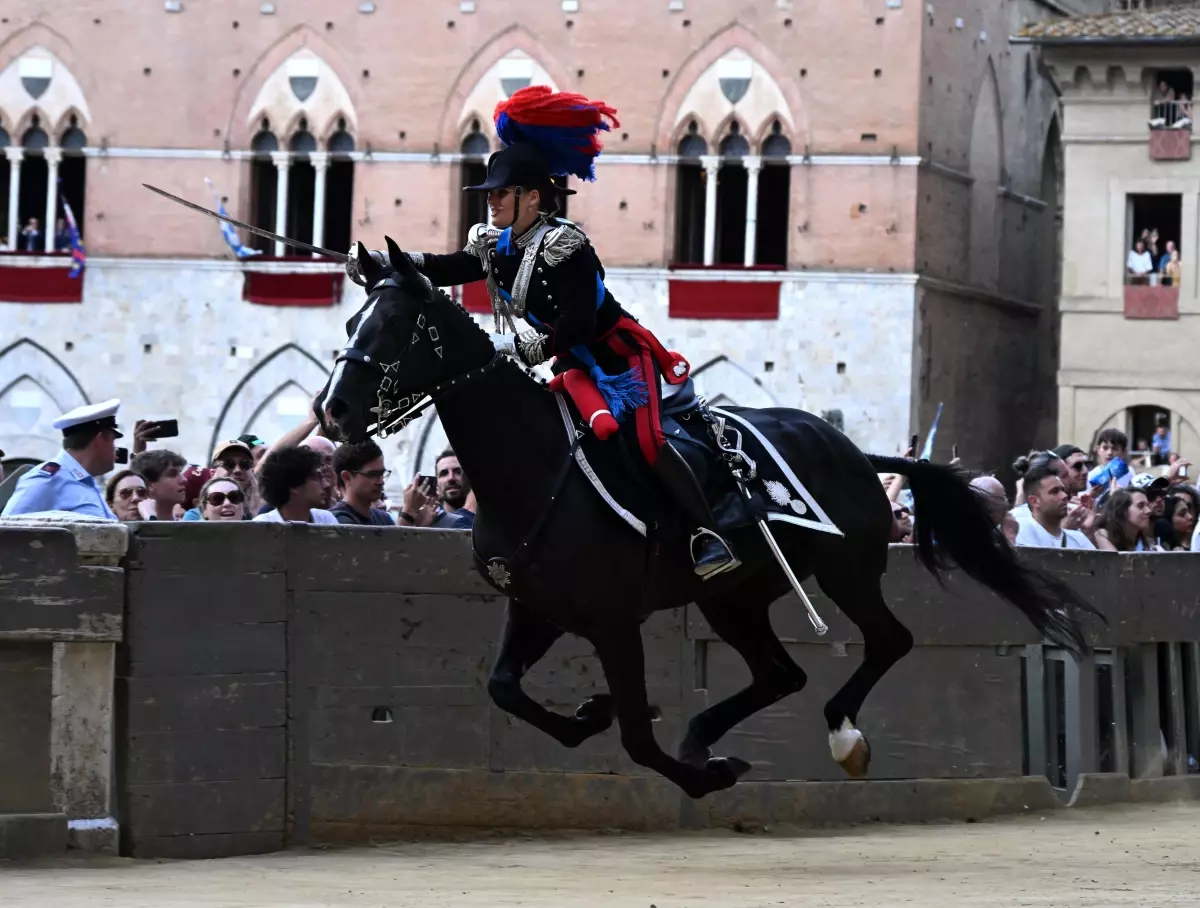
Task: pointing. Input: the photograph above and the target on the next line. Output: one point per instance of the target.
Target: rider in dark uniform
(542, 268)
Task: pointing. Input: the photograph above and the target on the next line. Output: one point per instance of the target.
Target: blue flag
(78, 253)
(227, 229)
(927, 451)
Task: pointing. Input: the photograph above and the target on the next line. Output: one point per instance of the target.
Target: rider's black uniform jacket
(551, 272)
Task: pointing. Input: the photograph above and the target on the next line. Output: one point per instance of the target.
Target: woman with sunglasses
(124, 492)
(222, 499)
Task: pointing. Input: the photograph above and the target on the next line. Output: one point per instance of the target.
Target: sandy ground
(1143, 856)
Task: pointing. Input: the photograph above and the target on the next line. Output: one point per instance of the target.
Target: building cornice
(420, 157)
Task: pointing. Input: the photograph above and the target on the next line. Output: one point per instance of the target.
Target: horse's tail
(953, 527)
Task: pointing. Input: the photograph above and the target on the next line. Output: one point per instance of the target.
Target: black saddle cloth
(620, 465)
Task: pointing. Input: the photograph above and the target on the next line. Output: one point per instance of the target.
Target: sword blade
(296, 244)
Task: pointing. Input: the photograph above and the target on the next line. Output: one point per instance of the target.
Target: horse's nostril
(335, 408)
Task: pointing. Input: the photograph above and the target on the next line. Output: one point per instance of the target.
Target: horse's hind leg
(527, 638)
(743, 621)
(885, 642)
(618, 643)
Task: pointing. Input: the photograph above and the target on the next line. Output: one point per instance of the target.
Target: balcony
(1151, 301)
(1171, 131)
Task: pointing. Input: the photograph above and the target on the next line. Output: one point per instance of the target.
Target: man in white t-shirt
(1047, 498)
(295, 483)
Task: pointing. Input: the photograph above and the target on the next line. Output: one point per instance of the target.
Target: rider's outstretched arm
(449, 270)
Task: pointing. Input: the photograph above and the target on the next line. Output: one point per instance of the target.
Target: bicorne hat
(520, 164)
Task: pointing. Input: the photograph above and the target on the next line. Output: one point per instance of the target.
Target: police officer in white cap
(67, 483)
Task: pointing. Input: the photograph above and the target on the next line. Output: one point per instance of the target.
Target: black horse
(577, 568)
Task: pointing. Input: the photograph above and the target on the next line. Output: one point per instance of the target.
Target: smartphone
(122, 456)
(954, 452)
(1183, 472)
(427, 483)
(166, 428)
(912, 445)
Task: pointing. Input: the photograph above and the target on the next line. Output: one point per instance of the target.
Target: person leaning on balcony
(1164, 97)
(1139, 264)
(1171, 269)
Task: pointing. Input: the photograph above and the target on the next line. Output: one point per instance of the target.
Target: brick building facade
(846, 207)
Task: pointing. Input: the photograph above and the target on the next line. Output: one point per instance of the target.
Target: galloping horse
(570, 564)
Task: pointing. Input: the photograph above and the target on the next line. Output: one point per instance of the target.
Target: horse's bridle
(392, 416)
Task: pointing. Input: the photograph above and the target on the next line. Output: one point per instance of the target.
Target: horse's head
(406, 339)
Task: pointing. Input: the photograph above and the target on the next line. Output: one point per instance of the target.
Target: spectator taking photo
(1048, 499)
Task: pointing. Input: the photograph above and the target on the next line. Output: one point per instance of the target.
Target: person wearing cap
(258, 447)
(1155, 489)
(543, 268)
(68, 481)
(234, 460)
(1076, 460)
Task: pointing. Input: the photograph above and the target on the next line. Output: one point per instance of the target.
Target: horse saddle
(776, 493)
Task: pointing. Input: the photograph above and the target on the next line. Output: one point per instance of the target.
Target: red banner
(39, 285)
(273, 288)
(724, 299)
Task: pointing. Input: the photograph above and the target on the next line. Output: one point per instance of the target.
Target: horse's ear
(367, 266)
(400, 260)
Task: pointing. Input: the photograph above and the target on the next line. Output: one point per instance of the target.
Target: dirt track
(1144, 856)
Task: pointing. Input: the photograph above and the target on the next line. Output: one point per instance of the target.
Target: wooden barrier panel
(310, 684)
(202, 691)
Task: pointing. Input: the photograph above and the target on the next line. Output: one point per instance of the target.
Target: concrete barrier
(281, 685)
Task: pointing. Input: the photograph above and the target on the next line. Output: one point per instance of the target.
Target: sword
(296, 244)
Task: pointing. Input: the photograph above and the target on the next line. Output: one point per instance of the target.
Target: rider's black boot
(710, 553)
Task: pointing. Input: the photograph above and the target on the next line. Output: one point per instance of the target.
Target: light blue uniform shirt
(60, 484)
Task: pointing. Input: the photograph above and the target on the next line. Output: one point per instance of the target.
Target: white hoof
(850, 750)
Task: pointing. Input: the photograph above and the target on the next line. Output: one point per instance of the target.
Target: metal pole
(818, 625)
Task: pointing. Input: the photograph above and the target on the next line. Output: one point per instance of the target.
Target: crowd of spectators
(1108, 499)
(302, 478)
(1147, 263)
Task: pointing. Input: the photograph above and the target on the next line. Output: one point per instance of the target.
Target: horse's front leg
(618, 643)
(527, 638)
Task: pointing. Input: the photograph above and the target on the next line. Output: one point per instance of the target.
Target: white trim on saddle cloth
(798, 498)
(580, 458)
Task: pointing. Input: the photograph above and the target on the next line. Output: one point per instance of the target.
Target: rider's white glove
(528, 346)
(505, 343)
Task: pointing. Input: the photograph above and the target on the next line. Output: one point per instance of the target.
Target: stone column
(712, 165)
(282, 161)
(753, 165)
(53, 157)
(320, 163)
(14, 156)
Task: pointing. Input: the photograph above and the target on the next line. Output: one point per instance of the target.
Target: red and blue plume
(564, 126)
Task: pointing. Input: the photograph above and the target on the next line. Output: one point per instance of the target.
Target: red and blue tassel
(564, 126)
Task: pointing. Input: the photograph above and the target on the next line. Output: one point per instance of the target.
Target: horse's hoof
(727, 769)
(850, 750)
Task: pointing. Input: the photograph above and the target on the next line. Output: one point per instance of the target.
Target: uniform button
(539, 269)
(549, 297)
